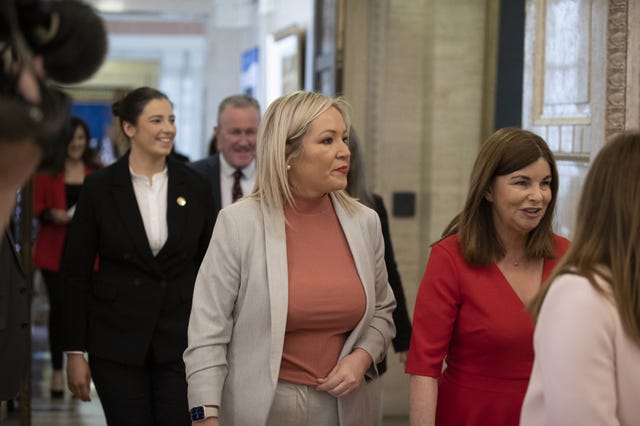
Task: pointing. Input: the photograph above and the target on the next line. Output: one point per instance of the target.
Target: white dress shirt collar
(226, 180)
(152, 203)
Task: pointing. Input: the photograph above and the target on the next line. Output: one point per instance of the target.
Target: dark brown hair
(89, 156)
(506, 151)
(131, 106)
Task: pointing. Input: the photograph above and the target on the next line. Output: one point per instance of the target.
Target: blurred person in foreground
(292, 309)
(357, 187)
(148, 219)
(65, 41)
(55, 195)
(487, 267)
(18, 160)
(587, 337)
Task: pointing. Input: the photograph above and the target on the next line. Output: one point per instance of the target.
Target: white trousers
(302, 405)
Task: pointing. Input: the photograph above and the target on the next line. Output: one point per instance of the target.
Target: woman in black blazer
(145, 221)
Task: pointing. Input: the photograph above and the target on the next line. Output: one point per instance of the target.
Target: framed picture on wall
(288, 64)
(328, 46)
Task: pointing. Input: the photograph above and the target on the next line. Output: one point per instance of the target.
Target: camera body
(63, 41)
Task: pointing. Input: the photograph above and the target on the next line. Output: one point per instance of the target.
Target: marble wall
(417, 82)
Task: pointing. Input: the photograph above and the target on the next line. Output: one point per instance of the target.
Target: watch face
(197, 413)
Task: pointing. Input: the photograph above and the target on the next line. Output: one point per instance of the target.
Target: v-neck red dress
(473, 316)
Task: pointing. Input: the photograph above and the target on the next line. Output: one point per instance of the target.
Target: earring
(288, 167)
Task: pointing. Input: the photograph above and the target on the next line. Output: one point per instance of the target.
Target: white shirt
(227, 179)
(152, 203)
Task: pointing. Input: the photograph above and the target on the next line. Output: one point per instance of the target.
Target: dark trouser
(55, 292)
(149, 395)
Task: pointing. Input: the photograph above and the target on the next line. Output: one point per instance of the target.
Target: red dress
(472, 315)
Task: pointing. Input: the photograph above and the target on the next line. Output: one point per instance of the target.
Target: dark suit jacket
(14, 319)
(400, 314)
(210, 168)
(135, 301)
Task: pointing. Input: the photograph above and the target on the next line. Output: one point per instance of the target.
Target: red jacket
(49, 193)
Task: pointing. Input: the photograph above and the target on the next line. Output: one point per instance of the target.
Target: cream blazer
(239, 313)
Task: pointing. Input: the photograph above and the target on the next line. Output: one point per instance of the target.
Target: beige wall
(416, 75)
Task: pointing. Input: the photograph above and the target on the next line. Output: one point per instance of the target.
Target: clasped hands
(347, 375)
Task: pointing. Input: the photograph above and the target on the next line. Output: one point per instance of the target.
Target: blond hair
(280, 134)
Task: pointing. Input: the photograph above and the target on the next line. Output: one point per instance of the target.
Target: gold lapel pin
(181, 201)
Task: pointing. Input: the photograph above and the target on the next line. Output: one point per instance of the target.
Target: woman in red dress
(55, 195)
(471, 305)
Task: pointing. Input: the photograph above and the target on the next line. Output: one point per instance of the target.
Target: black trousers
(149, 395)
(55, 292)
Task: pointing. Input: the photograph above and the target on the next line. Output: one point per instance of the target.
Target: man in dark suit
(231, 172)
(18, 159)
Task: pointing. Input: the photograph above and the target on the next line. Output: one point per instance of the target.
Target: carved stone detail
(376, 45)
(616, 67)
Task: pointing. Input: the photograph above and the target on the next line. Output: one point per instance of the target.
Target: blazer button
(137, 282)
(163, 284)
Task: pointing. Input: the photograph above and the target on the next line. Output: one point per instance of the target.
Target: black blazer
(400, 314)
(134, 302)
(14, 319)
(210, 168)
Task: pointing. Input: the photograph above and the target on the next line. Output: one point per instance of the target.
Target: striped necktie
(236, 190)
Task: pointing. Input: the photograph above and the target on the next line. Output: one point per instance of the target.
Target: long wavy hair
(506, 151)
(607, 231)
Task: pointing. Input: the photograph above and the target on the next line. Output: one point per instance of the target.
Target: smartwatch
(202, 412)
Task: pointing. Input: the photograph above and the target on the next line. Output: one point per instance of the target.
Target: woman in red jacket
(55, 195)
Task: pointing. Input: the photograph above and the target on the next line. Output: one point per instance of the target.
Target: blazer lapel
(359, 251)
(357, 244)
(12, 246)
(278, 281)
(215, 182)
(127, 207)
(177, 202)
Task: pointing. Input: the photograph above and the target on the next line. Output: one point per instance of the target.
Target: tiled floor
(46, 411)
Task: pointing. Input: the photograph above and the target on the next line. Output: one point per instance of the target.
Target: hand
(78, 376)
(347, 375)
(61, 217)
(402, 356)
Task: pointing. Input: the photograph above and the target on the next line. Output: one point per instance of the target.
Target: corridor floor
(51, 412)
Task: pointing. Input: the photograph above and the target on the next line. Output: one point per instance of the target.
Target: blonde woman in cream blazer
(240, 305)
